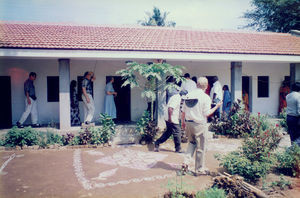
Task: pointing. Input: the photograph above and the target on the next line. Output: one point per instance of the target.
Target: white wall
(276, 73)
(19, 69)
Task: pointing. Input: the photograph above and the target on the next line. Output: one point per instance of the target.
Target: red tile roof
(73, 37)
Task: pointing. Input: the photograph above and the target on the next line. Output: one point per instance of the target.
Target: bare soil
(119, 171)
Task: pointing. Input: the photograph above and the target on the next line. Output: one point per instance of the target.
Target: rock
(25, 147)
(35, 147)
(18, 148)
(2, 148)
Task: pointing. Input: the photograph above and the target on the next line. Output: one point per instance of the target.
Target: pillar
(236, 81)
(295, 72)
(64, 94)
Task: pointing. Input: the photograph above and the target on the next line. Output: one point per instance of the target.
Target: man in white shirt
(196, 109)
(172, 121)
(216, 95)
(188, 85)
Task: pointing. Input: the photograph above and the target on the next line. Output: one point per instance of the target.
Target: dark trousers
(172, 129)
(293, 127)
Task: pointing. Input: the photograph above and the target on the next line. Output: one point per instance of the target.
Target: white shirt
(173, 103)
(200, 111)
(188, 85)
(217, 89)
(293, 104)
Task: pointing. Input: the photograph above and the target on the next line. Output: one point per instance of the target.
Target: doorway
(247, 88)
(5, 101)
(122, 100)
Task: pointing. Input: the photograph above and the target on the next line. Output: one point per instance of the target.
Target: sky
(196, 14)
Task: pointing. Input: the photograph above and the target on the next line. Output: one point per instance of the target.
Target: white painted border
(88, 185)
(6, 162)
(109, 55)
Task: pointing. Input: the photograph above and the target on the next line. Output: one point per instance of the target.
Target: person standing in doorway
(109, 101)
(246, 100)
(30, 102)
(283, 92)
(216, 95)
(226, 100)
(196, 109)
(87, 97)
(293, 113)
(188, 85)
(75, 120)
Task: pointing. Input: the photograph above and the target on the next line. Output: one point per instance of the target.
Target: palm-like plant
(157, 19)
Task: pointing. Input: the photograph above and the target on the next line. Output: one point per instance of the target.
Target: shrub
(53, 138)
(289, 161)
(85, 137)
(281, 183)
(141, 125)
(70, 139)
(21, 137)
(108, 127)
(283, 116)
(211, 193)
(237, 123)
(255, 158)
(146, 128)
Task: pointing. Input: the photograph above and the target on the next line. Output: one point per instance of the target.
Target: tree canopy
(157, 19)
(274, 15)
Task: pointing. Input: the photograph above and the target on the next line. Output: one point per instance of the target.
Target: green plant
(154, 75)
(289, 161)
(255, 158)
(178, 189)
(238, 123)
(282, 117)
(70, 139)
(146, 128)
(281, 183)
(108, 127)
(53, 138)
(85, 137)
(211, 193)
(21, 137)
(142, 123)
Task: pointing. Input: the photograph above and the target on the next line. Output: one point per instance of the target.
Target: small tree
(154, 74)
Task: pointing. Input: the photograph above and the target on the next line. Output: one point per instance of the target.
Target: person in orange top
(283, 92)
(246, 100)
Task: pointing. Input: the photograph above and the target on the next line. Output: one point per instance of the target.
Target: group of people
(87, 98)
(197, 107)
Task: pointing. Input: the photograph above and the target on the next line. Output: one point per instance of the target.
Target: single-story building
(255, 61)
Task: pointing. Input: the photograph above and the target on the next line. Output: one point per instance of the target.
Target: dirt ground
(118, 171)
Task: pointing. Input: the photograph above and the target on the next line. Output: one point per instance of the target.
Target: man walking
(87, 97)
(172, 122)
(196, 109)
(30, 102)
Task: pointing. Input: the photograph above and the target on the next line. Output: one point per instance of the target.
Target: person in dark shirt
(87, 97)
(30, 102)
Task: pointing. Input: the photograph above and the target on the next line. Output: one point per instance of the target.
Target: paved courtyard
(118, 171)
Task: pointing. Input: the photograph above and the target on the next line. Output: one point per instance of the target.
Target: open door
(247, 87)
(122, 100)
(5, 101)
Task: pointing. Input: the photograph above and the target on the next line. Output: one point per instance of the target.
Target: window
(263, 86)
(52, 88)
